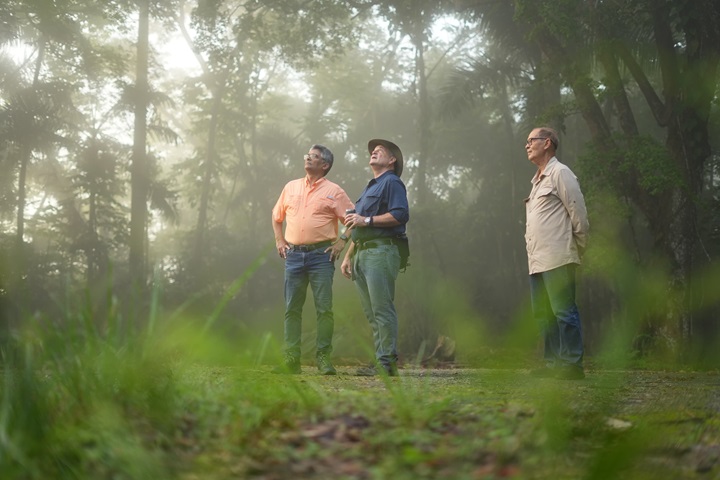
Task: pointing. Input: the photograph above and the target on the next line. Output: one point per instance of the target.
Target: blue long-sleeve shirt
(384, 194)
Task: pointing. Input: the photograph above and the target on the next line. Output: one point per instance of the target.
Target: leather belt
(311, 247)
(375, 242)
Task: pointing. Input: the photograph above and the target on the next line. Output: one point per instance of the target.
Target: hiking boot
(325, 367)
(570, 372)
(290, 365)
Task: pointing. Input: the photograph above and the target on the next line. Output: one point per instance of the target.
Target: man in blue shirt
(373, 258)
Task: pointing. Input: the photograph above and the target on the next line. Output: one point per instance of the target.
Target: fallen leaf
(617, 424)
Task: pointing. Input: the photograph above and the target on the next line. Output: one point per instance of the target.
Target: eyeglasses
(314, 156)
(531, 139)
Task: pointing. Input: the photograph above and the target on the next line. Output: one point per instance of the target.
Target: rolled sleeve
(278, 211)
(397, 201)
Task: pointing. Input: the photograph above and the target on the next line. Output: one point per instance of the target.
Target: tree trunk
(424, 112)
(689, 145)
(616, 88)
(139, 170)
(25, 157)
(25, 153)
(206, 192)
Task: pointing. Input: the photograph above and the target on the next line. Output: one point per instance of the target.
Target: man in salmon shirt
(311, 208)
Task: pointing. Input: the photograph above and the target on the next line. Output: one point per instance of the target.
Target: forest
(144, 144)
(144, 147)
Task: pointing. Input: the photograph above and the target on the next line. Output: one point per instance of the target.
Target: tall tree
(37, 107)
(139, 168)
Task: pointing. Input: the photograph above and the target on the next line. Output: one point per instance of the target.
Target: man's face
(382, 158)
(314, 163)
(535, 146)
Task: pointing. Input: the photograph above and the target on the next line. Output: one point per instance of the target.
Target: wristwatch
(368, 221)
(344, 237)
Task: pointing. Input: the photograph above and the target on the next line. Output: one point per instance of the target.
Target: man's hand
(282, 247)
(346, 267)
(336, 249)
(353, 220)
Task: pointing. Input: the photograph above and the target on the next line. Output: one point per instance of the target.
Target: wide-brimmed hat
(394, 150)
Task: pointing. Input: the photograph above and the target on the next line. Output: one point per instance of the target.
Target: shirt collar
(548, 170)
(381, 177)
(317, 182)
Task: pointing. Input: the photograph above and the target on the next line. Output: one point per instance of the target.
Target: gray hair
(547, 132)
(325, 154)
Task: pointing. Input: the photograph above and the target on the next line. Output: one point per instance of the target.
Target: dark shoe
(325, 367)
(544, 372)
(570, 372)
(290, 365)
(370, 371)
(392, 370)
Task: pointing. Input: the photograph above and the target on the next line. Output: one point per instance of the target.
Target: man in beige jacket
(556, 236)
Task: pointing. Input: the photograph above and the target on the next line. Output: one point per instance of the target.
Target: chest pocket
(371, 205)
(544, 191)
(293, 204)
(539, 199)
(324, 206)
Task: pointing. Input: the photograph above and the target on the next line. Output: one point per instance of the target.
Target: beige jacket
(556, 231)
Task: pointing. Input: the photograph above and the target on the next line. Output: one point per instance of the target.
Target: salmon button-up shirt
(557, 227)
(311, 210)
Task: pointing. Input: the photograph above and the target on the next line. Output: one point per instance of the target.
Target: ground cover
(190, 406)
(453, 423)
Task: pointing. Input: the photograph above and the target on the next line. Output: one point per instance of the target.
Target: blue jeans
(301, 269)
(374, 272)
(552, 294)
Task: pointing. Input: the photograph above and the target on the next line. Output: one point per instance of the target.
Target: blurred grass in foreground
(180, 399)
(183, 403)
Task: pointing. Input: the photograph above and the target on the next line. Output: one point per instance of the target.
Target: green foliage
(639, 158)
(656, 171)
(79, 406)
